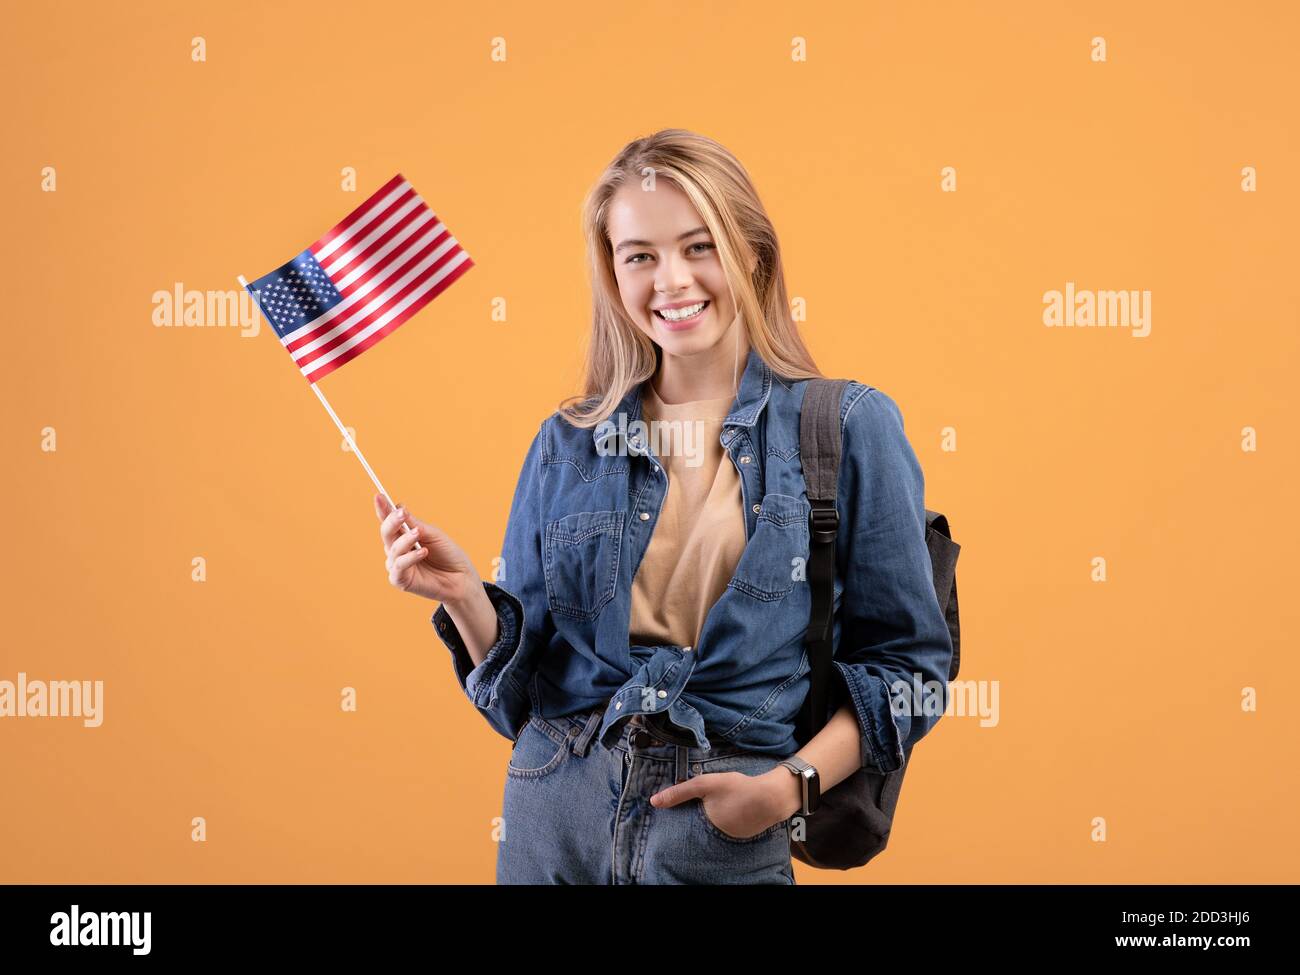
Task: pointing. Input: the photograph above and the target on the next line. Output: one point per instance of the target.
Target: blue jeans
(576, 812)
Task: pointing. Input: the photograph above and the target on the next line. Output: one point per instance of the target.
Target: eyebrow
(646, 243)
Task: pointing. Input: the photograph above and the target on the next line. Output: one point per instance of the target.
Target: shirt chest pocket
(776, 555)
(580, 562)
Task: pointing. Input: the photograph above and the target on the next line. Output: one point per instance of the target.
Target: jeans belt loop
(583, 742)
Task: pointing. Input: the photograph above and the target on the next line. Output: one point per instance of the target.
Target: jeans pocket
(539, 750)
(747, 763)
(775, 828)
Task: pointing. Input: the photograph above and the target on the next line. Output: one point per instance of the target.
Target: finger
(400, 565)
(675, 794)
(391, 526)
(426, 532)
(401, 545)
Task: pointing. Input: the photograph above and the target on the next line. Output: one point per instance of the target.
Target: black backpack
(853, 821)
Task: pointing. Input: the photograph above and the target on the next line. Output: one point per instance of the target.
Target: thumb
(382, 507)
(693, 788)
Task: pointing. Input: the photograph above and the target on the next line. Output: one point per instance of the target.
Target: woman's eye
(704, 244)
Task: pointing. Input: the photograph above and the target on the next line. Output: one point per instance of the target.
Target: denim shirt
(581, 518)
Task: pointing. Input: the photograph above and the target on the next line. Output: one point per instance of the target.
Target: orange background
(1118, 700)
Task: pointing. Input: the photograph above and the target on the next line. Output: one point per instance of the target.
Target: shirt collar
(751, 397)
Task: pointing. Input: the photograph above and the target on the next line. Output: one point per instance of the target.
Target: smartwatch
(808, 780)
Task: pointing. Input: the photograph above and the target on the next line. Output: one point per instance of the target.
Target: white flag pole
(334, 416)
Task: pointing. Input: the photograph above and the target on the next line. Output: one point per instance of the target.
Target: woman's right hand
(424, 560)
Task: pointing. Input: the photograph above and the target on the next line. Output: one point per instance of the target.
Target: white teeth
(678, 314)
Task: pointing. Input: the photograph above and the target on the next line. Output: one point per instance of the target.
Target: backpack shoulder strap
(943, 559)
(819, 455)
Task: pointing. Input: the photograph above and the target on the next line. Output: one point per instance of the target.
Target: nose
(673, 277)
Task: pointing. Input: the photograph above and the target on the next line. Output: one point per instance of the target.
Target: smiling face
(667, 267)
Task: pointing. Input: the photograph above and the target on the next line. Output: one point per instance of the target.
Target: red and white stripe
(389, 258)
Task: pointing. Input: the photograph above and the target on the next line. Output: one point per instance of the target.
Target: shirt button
(663, 693)
(757, 508)
(686, 649)
(645, 516)
(618, 705)
(745, 459)
(656, 468)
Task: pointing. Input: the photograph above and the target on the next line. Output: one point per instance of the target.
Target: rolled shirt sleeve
(498, 686)
(494, 685)
(895, 647)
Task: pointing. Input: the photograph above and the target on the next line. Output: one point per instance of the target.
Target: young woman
(643, 647)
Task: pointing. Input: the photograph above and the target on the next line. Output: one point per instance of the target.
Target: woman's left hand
(738, 804)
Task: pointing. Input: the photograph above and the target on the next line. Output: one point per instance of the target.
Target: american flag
(385, 261)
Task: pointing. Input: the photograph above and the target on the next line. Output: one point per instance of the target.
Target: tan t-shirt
(700, 534)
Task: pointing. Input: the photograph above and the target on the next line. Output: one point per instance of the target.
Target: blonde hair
(620, 355)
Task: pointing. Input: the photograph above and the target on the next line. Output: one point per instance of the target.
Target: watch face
(809, 784)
